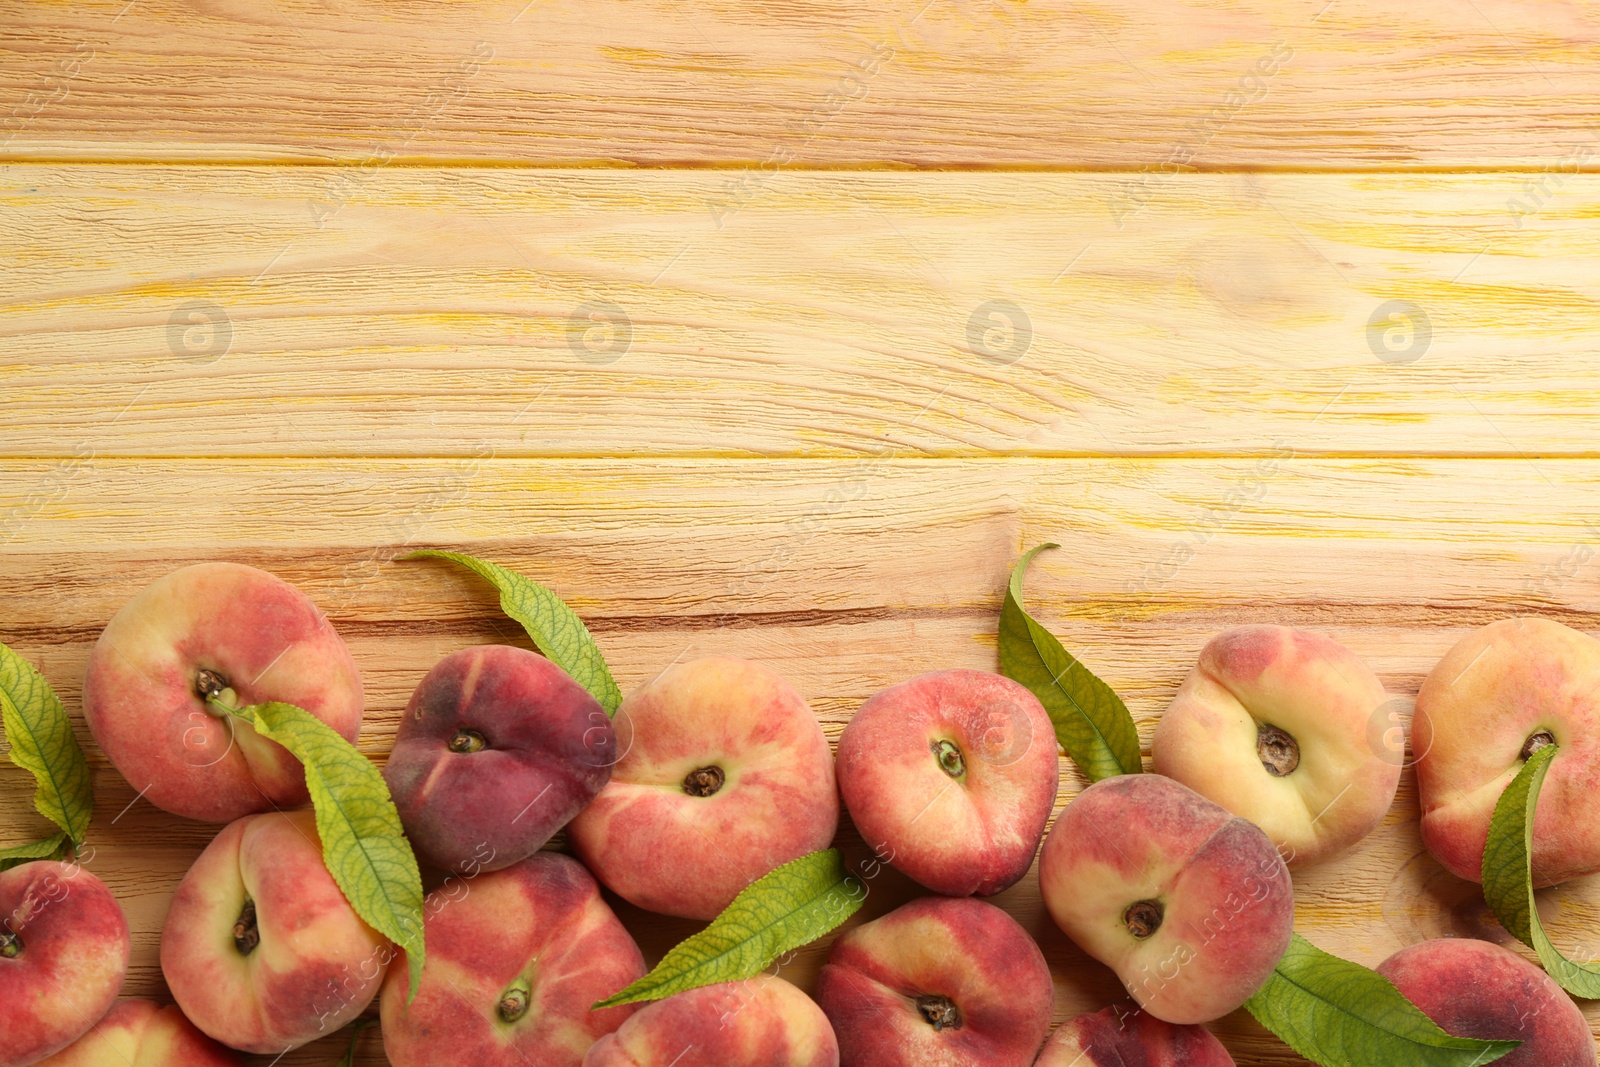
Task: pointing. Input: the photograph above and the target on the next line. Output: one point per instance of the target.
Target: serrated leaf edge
(1013, 597)
(11, 714)
(1261, 1014)
(639, 990)
(609, 694)
(1580, 978)
(403, 920)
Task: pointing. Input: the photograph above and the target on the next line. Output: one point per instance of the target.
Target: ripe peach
(260, 948)
(1274, 724)
(950, 777)
(725, 776)
(1475, 989)
(941, 980)
(1191, 906)
(516, 959)
(226, 629)
(63, 955)
(763, 1022)
(141, 1033)
(499, 748)
(1500, 694)
(1112, 1038)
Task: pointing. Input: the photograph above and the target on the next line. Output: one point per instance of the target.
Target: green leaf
(792, 906)
(355, 1039)
(52, 847)
(1508, 876)
(1092, 723)
(363, 843)
(556, 630)
(1340, 1014)
(42, 743)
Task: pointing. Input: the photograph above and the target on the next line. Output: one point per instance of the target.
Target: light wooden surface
(201, 311)
(742, 83)
(305, 285)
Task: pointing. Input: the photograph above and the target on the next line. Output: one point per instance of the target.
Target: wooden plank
(846, 576)
(201, 311)
(906, 83)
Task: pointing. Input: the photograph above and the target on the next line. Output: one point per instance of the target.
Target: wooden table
(780, 330)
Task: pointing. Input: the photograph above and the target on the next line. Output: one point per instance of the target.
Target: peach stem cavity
(246, 932)
(468, 741)
(1143, 918)
(704, 781)
(951, 761)
(513, 1004)
(939, 1012)
(1542, 739)
(1279, 752)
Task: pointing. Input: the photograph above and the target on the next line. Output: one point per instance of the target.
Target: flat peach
(951, 777)
(498, 749)
(1476, 989)
(1113, 1038)
(142, 1033)
(64, 951)
(1275, 725)
(1192, 907)
(516, 960)
(260, 948)
(941, 980)
(762, 1022)
(238, 632)
(1500, 693)
(725, 776)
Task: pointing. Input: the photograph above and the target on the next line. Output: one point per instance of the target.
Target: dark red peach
(499, 748)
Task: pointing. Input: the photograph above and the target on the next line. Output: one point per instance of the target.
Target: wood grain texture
(203, 311)
(846, 577)
(904, 83)
(308, 284)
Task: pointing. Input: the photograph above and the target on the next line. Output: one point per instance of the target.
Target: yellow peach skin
(142, 1033)
(1276, 725)
(1499, 693)
(260, 948)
